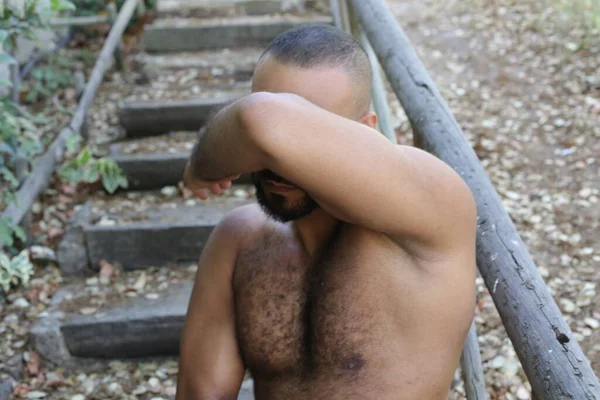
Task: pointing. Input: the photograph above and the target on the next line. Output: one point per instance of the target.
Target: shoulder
(241, 224)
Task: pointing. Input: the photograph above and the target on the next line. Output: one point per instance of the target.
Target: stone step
(210, 64)
(179, 35)
(140, 230)
(206, 8)
(142, 118)
(156, 161)
(137, 316)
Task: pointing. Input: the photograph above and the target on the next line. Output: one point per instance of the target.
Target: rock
(106, 222)
(115, 388)
(567, 305)
(72, 250)
(241, 193)
(88, 310)
(89, 385)
(169, 191)
(154, 384)
(140, 282)
(592, 323)
(523, 393)
(21, 303)
(36, 395)
(6, 388)
(78, 397)
(15, 367)
(498, 362)
(93, 281)
(42, 254)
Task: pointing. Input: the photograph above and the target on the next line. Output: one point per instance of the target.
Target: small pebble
(88, 310)
(523, 393)
(567, 305)
(592, 323)
(78, 397)
(21, 303)
(36, 395)
(498, 362)
(241, 193)
(169, 191)
(106, 222)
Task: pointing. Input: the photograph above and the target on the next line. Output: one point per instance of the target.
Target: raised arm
(351, 170)
(210, 366)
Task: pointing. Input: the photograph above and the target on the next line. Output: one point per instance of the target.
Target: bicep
(360, 177)
(210, 363)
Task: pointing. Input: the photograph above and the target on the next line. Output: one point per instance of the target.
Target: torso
(357, 322)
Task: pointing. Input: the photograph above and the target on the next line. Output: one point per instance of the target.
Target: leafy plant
(20, 18)
(46, 80)
(18, 139)
(15, 271)
(88, 169)
(18, 131)
(8, 231)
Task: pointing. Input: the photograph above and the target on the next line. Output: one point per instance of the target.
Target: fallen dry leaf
(33, 364)
(106, 271)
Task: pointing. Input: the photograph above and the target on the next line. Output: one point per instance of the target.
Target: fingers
(203, 189)
(215, 188)
(201, 194)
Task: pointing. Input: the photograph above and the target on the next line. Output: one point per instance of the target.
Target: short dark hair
(315, 45)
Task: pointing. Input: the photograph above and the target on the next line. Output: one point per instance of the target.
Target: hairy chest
(300, 317)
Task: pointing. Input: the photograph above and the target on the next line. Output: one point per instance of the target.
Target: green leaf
(59, 5)
(19, 233)
(6, 58)
(3, 35)
(4, 82)
(6, 234)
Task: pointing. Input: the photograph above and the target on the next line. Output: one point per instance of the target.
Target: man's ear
(369, 119)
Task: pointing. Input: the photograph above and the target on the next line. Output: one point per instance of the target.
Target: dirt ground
(525, 90)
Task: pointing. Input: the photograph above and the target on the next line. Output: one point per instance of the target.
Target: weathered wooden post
(344, 20)
(112, 12)
(552, 359)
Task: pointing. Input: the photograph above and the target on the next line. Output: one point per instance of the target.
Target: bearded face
(280, 199)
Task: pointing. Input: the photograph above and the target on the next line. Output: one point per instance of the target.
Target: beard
(278, 206)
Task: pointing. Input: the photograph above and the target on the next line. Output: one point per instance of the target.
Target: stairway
(131, 257)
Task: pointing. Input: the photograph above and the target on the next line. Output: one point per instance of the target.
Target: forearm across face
(227, 148)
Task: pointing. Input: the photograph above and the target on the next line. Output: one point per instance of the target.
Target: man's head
(328, 68)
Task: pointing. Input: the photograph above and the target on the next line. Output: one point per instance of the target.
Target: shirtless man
(354, 276)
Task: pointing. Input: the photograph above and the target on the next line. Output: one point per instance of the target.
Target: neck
(315, 230)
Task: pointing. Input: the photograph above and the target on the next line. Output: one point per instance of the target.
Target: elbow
(259, 116)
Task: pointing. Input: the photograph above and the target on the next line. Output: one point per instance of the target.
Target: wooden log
(471, 367)
(79, 21)
(551, 357)
(39, 177)
(112, 13)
